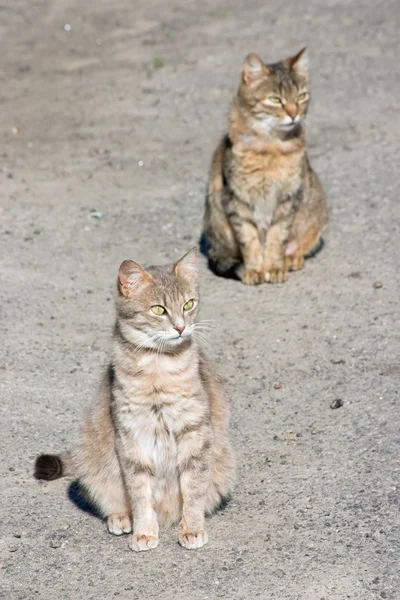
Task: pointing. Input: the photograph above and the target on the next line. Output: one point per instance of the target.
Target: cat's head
(275, 96)
(157, 306)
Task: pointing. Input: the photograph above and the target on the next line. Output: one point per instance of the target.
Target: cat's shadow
(229, 274)
(76, 494)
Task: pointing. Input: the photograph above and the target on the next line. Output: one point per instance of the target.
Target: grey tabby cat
(154, 447)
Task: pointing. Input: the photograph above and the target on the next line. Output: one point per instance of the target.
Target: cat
(154, 447)
(265, 208)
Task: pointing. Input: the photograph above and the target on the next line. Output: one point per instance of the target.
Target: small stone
(338, 361)
(275, 437)
(377, 285)
(17, 534)
(55, 544)
(278, 386)
(336, 403)
(384, 595)
(95, 214)
(13, 549)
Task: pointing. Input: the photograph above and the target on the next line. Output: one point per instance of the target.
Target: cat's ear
(299, 62)
(187, 265)
(253, 69)
(131, 276)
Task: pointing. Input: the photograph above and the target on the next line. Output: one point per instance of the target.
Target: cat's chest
(159, 401)
(153, 427)
(266, 177)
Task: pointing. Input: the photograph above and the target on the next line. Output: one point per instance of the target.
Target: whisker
(152, 338)
(197, 336)
(202, 329)
(211, 323)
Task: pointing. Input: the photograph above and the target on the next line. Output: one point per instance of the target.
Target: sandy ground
(120, 115)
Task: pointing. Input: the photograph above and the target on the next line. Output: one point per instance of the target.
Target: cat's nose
(180, 329)
(291, 110)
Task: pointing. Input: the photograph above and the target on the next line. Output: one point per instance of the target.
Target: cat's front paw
(253, 276)
(275, 275)
(193, 540)
(294, 263)
(141, 542)
(119, 524)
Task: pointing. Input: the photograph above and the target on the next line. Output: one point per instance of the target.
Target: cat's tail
(53, 466)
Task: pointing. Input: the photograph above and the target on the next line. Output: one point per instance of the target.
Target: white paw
(119, 524)
(141, 542)
(191, 541)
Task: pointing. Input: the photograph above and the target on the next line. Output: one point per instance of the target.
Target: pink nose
(180, 328)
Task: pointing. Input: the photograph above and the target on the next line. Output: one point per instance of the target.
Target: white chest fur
(154, 405)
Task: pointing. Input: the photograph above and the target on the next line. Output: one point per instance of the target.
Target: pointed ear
(130, 277)
(187, 265)
(253, 69)
(299, 62)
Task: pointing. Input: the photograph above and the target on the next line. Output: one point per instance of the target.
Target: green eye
(302, 96)
(188, 305)
(274, 100)
(158, 310)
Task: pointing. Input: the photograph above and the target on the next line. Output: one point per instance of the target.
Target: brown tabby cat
(265, 208)
(154, 447)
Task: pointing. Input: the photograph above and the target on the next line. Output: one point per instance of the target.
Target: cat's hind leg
(221, 246)
(309, 224)
(299, 249)
(105, 489)
(223, 465)
(98, 470)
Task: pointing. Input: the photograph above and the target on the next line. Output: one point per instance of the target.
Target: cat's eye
(158, 310)
(189, 304)
(303, 96)
(274, 100)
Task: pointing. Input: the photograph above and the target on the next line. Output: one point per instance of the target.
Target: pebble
(95, 214)
(278, 386)
(336, 403)
(377, 285)
(55, 544)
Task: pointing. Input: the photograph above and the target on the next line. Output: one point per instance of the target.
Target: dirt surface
(116, 107)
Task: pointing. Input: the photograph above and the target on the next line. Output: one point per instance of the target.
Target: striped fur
(265, 208)
(154, 447)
